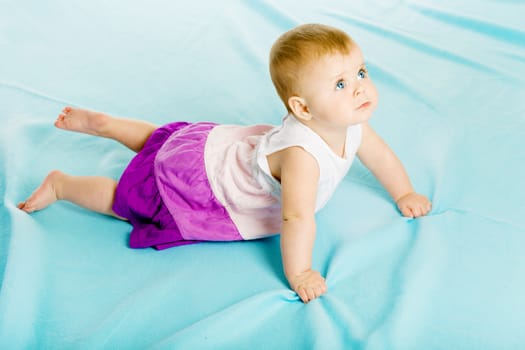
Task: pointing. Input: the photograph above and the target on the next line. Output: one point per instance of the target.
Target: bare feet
(83, 120)
(44, 195)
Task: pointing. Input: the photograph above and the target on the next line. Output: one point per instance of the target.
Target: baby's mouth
(364, 105)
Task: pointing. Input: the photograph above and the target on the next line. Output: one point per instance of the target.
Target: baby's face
(338, 90)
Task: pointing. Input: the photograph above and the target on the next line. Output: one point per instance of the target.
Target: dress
(196, 182)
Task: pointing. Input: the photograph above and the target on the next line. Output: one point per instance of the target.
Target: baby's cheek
(376, 94)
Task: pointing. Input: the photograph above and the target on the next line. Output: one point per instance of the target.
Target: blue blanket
(451, 79)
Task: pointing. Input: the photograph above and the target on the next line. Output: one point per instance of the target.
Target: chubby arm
(299, 175)
(375, 154)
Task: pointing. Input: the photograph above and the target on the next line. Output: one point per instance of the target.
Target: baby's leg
(130, 132)
(95, 193)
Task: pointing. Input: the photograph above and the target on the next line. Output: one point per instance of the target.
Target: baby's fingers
(308, 294)
(427, 207)
(406, 211)
(417, 210)
(421, 209)
(301, 292)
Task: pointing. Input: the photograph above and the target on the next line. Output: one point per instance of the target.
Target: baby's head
(295, 50)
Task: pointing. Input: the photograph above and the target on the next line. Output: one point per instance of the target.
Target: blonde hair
(297, 48)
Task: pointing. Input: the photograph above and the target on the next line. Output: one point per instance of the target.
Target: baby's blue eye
(340, 85)
(361, 74)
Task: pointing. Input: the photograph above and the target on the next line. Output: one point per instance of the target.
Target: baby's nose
(359, 89)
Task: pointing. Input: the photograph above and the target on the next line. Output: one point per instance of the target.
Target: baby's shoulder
(295, 160)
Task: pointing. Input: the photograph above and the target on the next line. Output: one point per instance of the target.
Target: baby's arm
(375, 154)
(299, 179)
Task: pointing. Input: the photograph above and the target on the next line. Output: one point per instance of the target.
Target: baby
(192, 182)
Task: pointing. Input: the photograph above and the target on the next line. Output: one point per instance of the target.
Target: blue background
(451, 79)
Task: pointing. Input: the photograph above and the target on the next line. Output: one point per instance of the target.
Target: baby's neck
(337, 145)
(334, 138)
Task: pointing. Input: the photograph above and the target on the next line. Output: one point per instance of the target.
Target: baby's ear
(299, 108)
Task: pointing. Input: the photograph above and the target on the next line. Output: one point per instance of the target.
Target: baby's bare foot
(44, 195)
(82, 120)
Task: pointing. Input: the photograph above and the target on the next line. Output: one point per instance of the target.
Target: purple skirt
(194, 214)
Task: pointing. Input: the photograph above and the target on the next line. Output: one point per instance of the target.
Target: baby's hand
(308, 285)
(413, 205)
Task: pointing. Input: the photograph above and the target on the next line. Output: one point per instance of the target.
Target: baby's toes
(61, 121)
(25, 206)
